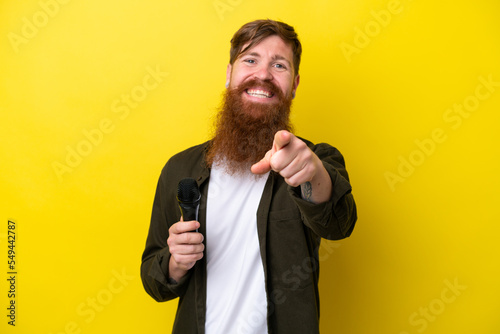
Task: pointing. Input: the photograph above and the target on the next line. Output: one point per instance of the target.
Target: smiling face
(265, 72)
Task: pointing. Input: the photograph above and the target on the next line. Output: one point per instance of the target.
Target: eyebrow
(275, 57)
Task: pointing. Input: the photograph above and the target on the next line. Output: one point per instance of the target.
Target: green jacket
(289, 230)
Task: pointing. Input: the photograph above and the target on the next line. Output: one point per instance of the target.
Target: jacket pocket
(290, 262)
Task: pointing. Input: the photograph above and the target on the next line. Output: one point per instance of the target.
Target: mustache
(265, 84)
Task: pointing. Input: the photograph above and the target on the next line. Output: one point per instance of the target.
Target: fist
(185, 246)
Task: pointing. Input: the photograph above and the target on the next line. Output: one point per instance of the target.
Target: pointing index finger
(281, 139)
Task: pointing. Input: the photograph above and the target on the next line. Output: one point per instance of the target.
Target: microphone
(188, 196)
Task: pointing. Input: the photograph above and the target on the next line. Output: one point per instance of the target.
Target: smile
(259, 93)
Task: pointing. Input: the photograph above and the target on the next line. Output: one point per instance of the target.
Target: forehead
(272, 46)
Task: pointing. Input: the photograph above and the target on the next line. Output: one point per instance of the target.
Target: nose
(263, 73)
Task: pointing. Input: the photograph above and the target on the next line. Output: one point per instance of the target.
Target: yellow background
(81, 234)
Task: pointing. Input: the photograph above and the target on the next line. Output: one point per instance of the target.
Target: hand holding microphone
(184, 242)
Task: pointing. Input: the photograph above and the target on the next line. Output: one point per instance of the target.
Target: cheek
(286, 87)
(236, 78)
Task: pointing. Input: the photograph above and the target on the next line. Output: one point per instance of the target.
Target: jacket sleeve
(156, 256)
(334, 219)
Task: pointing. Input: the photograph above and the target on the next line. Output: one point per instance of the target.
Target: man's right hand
(186, 247)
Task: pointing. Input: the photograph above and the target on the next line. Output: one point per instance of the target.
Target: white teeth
(259, 93)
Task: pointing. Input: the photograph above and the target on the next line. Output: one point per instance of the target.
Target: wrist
(319, 188)
(175, 273)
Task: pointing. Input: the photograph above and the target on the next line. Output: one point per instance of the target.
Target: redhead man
(250, 263)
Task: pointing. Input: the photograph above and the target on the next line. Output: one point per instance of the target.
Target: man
(268, 197)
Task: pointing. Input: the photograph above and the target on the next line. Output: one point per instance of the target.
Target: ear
(295, 83)
(228, 74)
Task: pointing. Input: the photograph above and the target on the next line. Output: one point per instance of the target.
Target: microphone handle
(189, 211)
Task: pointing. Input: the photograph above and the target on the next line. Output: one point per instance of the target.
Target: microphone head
(187, 190)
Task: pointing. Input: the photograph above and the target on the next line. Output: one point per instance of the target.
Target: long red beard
(244, 131)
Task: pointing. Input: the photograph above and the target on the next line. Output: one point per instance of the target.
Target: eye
(280, 66)
(249, 60)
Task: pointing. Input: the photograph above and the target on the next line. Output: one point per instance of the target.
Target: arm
(163, 277)
(336, 218)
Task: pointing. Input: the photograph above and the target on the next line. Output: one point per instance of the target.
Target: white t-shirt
(236, 296)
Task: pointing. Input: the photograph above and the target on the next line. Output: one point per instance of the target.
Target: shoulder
(188, 160)
(194, 152)
(192, 156)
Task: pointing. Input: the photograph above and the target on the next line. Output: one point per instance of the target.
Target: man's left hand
(292, 159)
